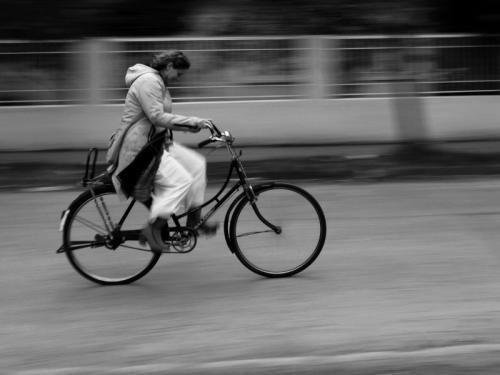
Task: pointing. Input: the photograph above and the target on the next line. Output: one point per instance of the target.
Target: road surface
(408, 282)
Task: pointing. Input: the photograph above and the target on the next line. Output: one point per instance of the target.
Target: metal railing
(254, 68)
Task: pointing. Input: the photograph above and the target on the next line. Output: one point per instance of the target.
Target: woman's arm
(150, 95)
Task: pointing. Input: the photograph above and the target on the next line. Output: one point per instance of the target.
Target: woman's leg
(195, 164)
(171, 186)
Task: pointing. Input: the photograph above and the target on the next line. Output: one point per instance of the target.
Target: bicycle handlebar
(214, 129)
(205, 142)
(216, 135)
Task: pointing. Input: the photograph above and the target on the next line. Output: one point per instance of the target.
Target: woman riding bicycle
(177, 174)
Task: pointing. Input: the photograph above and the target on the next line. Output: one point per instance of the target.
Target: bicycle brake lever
(214, 129)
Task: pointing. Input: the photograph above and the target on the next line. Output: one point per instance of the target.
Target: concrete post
(408, 106)
(313, 67)
(91, 70)
(318, 69)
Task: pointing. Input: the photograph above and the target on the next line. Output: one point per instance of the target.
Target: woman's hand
(196, 124)
(205, 123)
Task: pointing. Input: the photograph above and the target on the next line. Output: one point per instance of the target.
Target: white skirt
(180, 182)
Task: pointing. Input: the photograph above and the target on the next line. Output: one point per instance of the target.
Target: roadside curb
(62, 170)
(358, 168)
(476, 357)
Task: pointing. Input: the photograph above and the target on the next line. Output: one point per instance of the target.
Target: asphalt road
(408, 283)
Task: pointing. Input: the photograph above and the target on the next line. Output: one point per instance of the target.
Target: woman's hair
(177, 58)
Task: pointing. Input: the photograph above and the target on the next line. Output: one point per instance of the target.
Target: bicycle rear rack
(90, 166)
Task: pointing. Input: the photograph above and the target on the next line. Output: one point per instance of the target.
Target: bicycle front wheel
(120, 259)
(281, 233)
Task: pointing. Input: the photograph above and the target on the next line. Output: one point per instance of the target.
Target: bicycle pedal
(208, 229)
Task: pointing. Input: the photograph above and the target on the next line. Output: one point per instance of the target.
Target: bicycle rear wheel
(279, 235)
(106, 260)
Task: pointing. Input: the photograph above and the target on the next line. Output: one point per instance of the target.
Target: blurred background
(283, 72)
(365, 98)
(414, 59)
(67, 52)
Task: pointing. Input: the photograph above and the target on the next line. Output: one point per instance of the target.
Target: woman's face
(170, 74)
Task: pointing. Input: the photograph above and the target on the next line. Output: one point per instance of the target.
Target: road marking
(359, 357)
(438, 354)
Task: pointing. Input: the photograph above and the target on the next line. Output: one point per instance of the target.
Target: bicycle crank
(183, 239)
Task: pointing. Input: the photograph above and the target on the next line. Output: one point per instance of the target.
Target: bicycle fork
(252, 197)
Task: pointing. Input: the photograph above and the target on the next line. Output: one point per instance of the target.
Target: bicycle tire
(228, 220)
(82, 205)
(283, 254)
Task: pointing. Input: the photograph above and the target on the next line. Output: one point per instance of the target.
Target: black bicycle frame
(242, 182)
(235, 165)
(134, 234)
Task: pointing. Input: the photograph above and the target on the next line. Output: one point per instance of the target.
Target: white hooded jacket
(148, 104)
(148, 97)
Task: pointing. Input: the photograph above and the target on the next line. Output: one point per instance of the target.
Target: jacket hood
(136, 71)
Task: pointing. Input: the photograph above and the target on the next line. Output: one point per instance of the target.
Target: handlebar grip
(204, 143)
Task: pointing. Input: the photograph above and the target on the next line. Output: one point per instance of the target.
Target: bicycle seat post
(90, 171)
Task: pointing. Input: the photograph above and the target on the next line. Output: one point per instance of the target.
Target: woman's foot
(207, 228)
(152, 234)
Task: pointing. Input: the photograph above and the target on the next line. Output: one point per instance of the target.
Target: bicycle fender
(263, 185)
(64, 215)
(227, 220)
(62, 224)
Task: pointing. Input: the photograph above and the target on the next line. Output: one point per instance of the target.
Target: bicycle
(264, 226)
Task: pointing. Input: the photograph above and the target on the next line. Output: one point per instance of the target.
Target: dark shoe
(193, 219)
(208, 229)
(152, 234)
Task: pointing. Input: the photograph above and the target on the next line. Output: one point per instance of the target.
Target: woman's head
(170, 64)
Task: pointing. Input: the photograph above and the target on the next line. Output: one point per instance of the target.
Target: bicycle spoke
(91, 225)
(255, 232)
(115, 257)
(135, 248)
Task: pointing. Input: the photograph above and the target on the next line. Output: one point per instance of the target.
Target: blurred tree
(63, 19)
(480, 16)
(312, 17)
(33, 19)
